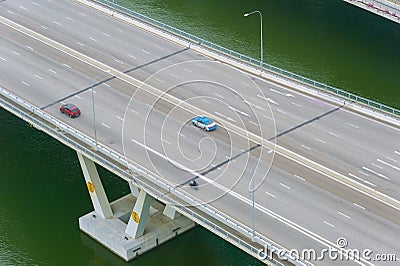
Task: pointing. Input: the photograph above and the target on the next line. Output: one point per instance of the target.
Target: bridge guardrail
(54, 132)
(253, 62)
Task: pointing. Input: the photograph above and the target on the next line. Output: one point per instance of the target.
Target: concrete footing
(110, 232)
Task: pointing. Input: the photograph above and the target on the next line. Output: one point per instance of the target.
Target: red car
(70, 109)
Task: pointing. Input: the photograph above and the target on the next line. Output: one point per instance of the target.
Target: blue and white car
(204, 122)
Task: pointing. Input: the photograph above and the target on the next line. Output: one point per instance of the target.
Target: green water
(42, 192)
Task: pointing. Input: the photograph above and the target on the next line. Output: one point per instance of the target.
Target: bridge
(389, 9)
(295, 165)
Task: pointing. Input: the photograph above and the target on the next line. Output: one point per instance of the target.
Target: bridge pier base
(137, 224)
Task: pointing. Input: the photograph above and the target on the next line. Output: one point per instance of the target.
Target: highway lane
(288, 111)
(105, 97)
(117, 92)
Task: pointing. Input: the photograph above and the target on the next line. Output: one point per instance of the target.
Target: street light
(261, 31)
(94, 114)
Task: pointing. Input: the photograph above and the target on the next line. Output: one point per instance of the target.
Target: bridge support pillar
(95, 187)
(140, 213)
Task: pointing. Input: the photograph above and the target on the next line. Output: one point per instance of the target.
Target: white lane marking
(52, 71)
(57, 23)
(204, 101)
(105, 84)
(39, 77)
(352, 125)
(299, 177)
(106, 34)
(363, 180)
(166, 141)
(195, 128)
(159, 47)
(388, 164)
(224, 116)
(378, 174)
(200, 65)
(181, 135)
(119, 61)
(118, 29)
(272, 195)
(243, 199)
(333, 134)
(81, 44)
(391, 159)
(9, 11)
(93, 39)
(238, 111)
(175, 76)
(187, 70)
(377, 166)
(331, 225)
(253, 123)
(69, 18)
(80, 13)
(341, 213)
(134, 111)
(270, 118)
(2, 58)
(306, 147)
(131, 56)
(278, 92)
(105, 125)
(296, 104)
(144, 51)
(43, 27)
(36, 4)
(272, 101)
(285, 186)
(320, 140)
(398, 153)
(66, 65)
(120, 118)
(30, 48)
(254, 105)
(359, 206)
(161, 81)
(26, 84)
(219, 95)
(363, 173)
(14, 52)
(280, 111)
(79, 97)
(22, 7)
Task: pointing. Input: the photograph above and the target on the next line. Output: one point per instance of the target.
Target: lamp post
(261, 31)
(94, 113)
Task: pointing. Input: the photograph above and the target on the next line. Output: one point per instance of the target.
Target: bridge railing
(253, 62)
(37, 118)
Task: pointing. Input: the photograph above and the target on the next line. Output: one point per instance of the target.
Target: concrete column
(140, 213)
(134, 189)
(170, 212)
(95, 187)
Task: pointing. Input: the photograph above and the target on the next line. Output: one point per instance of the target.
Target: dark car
(70, 109)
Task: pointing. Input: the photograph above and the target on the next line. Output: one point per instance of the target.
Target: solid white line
(14, 52)
(105, 125)
(388, 164)
(219, 95)
(26, 84)
(66, 65)
(333, 134)
(2, 58)
(43, 27)
(52, 71)
(57, 23)
(319, 140)
(299, 177)
(161, 81)
(81, 44)
(39, 77)
(372, 171)
(134, 111)
(272, 195)
(119, 61)
(187, 70)
(377, 166)
(359, 206)
(120, 118)
(398, 153)
(9, 11)
(305, 147)
(175, 76)
(353, 125)
(30, 48)
(296, 104)
(93, 39)
(363, 180)
(348, 217)
(331, 225)
(285, 186)
(106, 34)
(144, 51)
